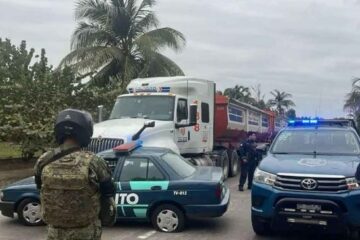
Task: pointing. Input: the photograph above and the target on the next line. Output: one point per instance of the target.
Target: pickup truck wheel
(29, 212)
(234, 163)
(168, 218)
(225, 164)
(261, 228)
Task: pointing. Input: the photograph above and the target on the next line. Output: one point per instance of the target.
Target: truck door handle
(156, 188)
(188, 135)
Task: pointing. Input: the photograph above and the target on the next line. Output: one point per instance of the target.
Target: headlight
(352, 183)
(1, 195)
(264, 177)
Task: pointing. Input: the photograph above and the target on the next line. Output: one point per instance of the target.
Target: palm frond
(90, 34)
(160, 38)
(92, 10)
(91, 58)
(160, 65)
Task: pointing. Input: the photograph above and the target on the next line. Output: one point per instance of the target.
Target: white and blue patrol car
(154, 184)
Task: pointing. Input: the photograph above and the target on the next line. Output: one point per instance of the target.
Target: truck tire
(225, 163)
(260, 227)
(29, 212)
(168, 218)
(234, 163)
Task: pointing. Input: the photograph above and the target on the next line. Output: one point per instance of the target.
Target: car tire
(260, 227)
(168, 218)
(29, 212)
(234, 163)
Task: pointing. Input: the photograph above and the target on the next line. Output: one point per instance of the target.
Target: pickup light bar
(149, 89)
(303, 122)
(128, 147)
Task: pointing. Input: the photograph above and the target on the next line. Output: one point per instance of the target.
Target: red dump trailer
(234, 119)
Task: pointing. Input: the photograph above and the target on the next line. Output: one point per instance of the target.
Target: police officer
(77, 191)
(248, 161)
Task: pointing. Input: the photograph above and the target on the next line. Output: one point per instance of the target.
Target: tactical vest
(68, 199)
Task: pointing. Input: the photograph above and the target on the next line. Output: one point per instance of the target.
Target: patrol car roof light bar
(322, 122)
(128, 147)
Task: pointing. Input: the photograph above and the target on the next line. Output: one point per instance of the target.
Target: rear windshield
(318, 141)
(180, 165)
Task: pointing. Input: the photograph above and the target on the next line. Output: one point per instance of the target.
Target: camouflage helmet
(72, 123)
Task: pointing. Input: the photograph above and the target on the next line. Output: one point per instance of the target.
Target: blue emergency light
(303, 122)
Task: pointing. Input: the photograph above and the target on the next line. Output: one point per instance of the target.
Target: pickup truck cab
(307, 180)
(153, 184)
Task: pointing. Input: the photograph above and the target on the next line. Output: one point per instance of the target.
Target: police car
(307, 180)
(155, 184)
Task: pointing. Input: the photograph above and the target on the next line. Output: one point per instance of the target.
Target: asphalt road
(235, 224)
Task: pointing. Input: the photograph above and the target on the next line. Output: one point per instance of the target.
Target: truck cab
(167, 101)
(307, 180)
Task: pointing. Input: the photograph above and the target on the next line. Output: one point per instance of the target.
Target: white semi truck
(185, 115)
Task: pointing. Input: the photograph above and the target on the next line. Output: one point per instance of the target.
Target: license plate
(308, 207)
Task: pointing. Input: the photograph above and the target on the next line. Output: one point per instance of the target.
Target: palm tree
(118, 40)
(281, 101)
(240, 93)
(352, 102)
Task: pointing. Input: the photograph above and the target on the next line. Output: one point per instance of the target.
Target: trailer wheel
(225, 163)
(234, 163)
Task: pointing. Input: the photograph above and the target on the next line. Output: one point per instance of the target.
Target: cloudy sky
(310, 48)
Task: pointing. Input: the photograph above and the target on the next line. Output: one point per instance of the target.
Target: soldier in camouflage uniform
(77, 191)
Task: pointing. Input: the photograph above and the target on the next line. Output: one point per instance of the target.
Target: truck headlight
(264, 177)
(352, 183)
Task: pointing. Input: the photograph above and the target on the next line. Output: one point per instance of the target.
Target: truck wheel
(225, 164)
(261, 228)
(168, 218)
(234, 163)
(29, 212)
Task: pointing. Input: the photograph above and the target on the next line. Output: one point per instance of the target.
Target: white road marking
(146, 235)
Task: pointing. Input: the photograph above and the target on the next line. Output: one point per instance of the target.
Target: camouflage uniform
(98, 172)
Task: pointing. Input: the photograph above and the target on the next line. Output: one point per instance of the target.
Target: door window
(205, 113)
(182, 110)
(140, 169)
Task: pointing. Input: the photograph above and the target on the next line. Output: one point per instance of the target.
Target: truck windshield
(148, 107)
(332, 142)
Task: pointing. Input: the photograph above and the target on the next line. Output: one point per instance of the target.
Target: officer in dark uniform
(248, 160)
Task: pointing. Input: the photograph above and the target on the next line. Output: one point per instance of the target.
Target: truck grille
(316, 183)
(98, 145)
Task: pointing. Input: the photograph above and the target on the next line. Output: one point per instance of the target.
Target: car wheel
(234, 163)
(260, 227)
(168, 218)
(29, 212)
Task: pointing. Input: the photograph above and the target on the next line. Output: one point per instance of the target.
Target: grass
(8, 150)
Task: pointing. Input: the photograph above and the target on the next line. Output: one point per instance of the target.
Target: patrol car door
(141, 182)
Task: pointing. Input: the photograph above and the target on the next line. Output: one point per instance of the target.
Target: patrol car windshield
(333, 142)
(147, 107)
(181, 166)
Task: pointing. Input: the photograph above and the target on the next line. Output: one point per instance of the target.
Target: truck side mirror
(101, 109)
(193, 115)
(150, 124)
(136, 136)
